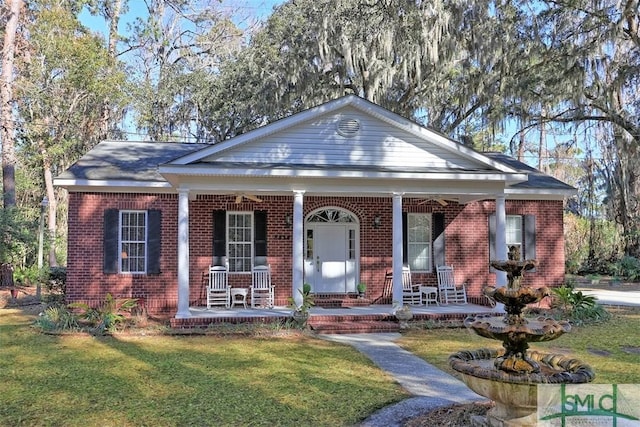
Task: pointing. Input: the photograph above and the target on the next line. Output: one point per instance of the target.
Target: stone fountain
(510, 376)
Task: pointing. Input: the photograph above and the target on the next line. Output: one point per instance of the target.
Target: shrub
(607, 242)
(29, 276)
(56, 285)
(590, 314)
(577, 306)
(627, 267)
(57, 317)
(108, 316)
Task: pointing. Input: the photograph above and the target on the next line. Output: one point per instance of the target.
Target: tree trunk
(53, 205)
(6, 110)
(542, 144)
(51, 218)
(114, 15)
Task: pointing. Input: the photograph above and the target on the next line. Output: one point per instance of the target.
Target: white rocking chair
(449, 290)
(262, 293)
(410, 292)
(218, 289)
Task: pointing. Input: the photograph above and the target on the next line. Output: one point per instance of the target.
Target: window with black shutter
(239, 239)
(132, 241)
(520, 233)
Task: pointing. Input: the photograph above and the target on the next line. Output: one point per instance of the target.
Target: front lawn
(159, 380)
(612, 348)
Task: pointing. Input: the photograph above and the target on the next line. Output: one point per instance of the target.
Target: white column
(183, 255)
(298, 248)
(501, 238)
(397, 248)
(501, 245)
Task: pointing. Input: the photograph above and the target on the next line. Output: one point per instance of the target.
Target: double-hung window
(520, 231)
(419, 241)
(133, 241)
(514, 233)
(240, 241)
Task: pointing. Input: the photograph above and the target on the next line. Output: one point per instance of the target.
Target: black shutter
(405, 239)
(260, 237)
(530, 237)
(219, 236)
(492, 240)
(438, 242)
(110, 241)
(154, 234)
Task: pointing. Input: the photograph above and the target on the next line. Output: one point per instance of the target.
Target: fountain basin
(515, 394)
(516, 334)
(517, 296)
(530, 329)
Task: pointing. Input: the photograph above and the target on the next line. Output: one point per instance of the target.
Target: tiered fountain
(510, 376)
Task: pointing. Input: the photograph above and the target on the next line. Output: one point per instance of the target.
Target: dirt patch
(561, 350)
(450, 416)
(631, 350)
(26, 301)
(599, 352)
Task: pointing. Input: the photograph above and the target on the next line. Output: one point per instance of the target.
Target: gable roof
(124, 164)
(333, 112)
(346, 146)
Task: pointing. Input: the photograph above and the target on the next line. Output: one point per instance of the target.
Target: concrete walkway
(431, 387)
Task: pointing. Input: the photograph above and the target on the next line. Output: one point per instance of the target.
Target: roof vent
(348, 127)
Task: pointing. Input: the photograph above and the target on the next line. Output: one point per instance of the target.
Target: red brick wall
(466, 241)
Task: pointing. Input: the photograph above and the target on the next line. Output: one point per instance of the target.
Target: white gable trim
(173, 172)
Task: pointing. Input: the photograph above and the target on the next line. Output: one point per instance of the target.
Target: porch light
(377, 221)
(288, 221)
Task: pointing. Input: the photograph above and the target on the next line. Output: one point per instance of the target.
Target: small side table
(242, 293)
(430, 294)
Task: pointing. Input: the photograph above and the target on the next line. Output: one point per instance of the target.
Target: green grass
(585, 343)
(161, 380)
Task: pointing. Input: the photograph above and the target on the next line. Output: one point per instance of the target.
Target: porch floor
(368, 318)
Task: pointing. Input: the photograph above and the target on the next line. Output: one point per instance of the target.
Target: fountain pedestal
(510, 377)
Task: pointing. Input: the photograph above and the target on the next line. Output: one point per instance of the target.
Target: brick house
(332, 196)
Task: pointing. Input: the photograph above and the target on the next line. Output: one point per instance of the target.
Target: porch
(333, 320)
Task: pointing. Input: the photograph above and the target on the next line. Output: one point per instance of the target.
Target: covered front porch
(355, 319)
(332, 209)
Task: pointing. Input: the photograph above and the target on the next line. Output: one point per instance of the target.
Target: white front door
(331, 261)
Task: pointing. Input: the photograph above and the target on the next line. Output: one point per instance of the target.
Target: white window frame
(515, 232)
(234, 260)
(420, 243)
(124, 256)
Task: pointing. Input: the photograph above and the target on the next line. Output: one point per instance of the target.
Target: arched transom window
(332, 215)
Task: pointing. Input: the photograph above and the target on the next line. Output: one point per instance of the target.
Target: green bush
(577, 306)
(29, 276)
(107, 317)
(607, 242)
(589, 314)
(627, 267)
(56, 285)
(57, 317)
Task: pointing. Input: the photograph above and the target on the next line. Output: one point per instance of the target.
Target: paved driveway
(613, 297)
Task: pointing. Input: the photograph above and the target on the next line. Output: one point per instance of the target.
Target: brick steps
(351, 327)
(329, 301)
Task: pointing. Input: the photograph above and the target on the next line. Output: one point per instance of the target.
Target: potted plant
(403, 313)
(301, 313)
(361, 289)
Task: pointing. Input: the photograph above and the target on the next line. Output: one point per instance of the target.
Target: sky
(259, 9)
